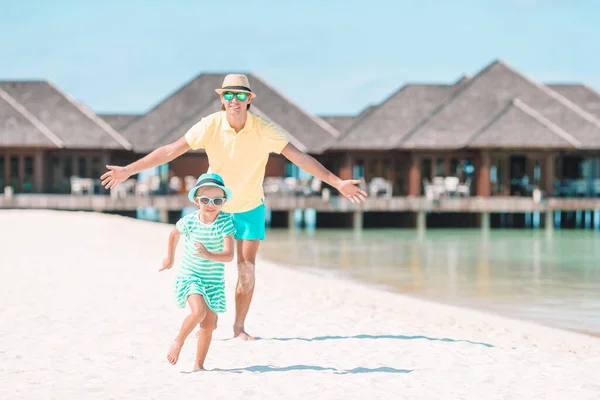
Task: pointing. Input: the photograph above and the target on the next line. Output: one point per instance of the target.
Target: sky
(330, 57)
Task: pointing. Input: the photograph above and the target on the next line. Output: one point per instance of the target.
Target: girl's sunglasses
(241, 96)
(217, 201)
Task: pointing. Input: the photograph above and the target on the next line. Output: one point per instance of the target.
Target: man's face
(232, 103)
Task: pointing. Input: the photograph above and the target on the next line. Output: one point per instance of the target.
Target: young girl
(208, 236)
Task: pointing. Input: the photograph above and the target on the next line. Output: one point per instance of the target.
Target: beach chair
(175, 184)
(464, 189)
(189, 182)
(451, 184)
(142, 189)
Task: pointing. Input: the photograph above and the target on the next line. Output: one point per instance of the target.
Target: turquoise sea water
(554, 280)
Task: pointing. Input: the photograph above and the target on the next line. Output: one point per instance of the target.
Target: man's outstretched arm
(307, 163)
(160, 156)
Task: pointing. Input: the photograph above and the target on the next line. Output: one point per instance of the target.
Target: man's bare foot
(241, 334)
(199, 368)
(173, 354)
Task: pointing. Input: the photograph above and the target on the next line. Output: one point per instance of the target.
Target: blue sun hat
(209, 180)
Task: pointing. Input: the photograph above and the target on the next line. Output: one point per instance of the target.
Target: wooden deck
(396, 204)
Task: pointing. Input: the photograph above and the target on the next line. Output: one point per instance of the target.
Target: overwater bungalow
(172, 117)
(47, 138)
(498, 133)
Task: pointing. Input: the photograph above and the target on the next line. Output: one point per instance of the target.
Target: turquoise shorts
(250, 225)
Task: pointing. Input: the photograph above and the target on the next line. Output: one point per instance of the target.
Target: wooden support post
(38, 172)
(587, 219)
(357, 220)
(421, 221)
(483, 175)
(291, 219)
(346, 167)
(485, 221)
(414, 176)
(549, 223)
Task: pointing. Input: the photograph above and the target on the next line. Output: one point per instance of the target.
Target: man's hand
(201, 250)
(166, 264)
(114, 176)
(350, 191)
(307, 163)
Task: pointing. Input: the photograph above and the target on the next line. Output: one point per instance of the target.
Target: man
(238, 144)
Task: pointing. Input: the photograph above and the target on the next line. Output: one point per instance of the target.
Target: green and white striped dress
(198, 275)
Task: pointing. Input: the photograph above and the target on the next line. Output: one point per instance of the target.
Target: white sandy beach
(84, 314)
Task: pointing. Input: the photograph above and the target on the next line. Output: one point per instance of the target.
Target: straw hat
(236, 83)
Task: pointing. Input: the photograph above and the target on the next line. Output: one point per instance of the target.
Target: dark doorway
(519, 181)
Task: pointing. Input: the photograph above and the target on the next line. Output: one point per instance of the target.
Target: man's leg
(246, 256)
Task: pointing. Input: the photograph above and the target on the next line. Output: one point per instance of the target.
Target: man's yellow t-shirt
(240, 158)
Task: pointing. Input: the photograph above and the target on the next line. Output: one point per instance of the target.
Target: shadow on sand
(358, 370)
(396, 337)
(269, 368)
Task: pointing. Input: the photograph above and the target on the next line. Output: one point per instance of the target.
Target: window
(2, 172)
(387, 169)
(358, 172)
(291, 170)
(14, 173)
(440, 167)
(455, 168)
(373, 170)
(96, 167)
(537, 172)
(28, 177)
(500, 175)
(68, 167)
(493, 174)
(468, 168)
(82, 167)
(426, 168)
(55, 176)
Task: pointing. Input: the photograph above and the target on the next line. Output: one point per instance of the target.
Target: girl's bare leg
(204, 337)
(196, 316)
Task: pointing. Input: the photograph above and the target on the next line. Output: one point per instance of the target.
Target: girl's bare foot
(173, 354)
(239, 332)
(198, 368)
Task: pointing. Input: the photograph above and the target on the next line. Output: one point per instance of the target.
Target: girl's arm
(173, 240)
(224, 256)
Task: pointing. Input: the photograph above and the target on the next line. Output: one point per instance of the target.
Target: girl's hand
(201, 250)
(166, 264)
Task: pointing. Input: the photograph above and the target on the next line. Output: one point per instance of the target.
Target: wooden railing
(284, 203)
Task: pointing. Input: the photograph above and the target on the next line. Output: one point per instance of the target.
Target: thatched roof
(118, 121)
(339, 122)
(582, 95)
(385, 125)
(197, 98)
(482, 98)
(506, 131)
(74, 124)
(18, 128)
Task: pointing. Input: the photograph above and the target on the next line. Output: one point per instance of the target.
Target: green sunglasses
(217, 201)
(241, 96)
